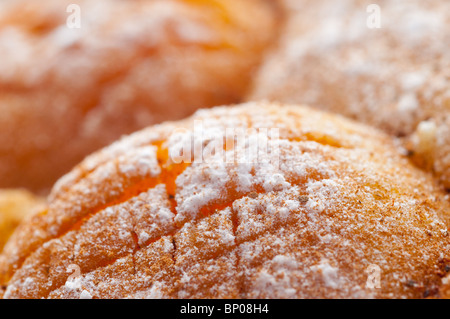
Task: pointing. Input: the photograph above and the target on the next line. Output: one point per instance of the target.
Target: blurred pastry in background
(15, 206)
(430, 146)
(66, 91)
(332, 55)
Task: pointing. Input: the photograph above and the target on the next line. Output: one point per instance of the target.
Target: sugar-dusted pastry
(15, 206)
(333, 56)
(251, 201)
(66, 91)
(430, 146)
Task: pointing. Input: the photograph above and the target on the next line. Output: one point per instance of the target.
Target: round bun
(192, 209)
(66, 92)
(15, 206)
(394, 77)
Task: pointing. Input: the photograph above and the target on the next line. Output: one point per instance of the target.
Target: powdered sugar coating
(328, 199)
(66, 92)
(393, 77)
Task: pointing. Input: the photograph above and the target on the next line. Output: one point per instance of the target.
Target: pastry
(396, 77)
(67, 91)
(257, 200)
(15, 206)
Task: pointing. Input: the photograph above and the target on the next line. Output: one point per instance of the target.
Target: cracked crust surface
(395, 77)
(305, 216)
(67, 92)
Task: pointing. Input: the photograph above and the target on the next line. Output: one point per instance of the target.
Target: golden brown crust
(66, 92)
(15, 206)
(394, 77)
(430, 146)
(305, 218)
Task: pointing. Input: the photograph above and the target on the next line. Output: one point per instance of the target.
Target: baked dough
(320, 205)
(67, 92)
(15, 206)
(396, 78)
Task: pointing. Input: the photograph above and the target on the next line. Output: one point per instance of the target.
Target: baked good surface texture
(321, 208)
(396, 77)
(15, 206)
(67, 91)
